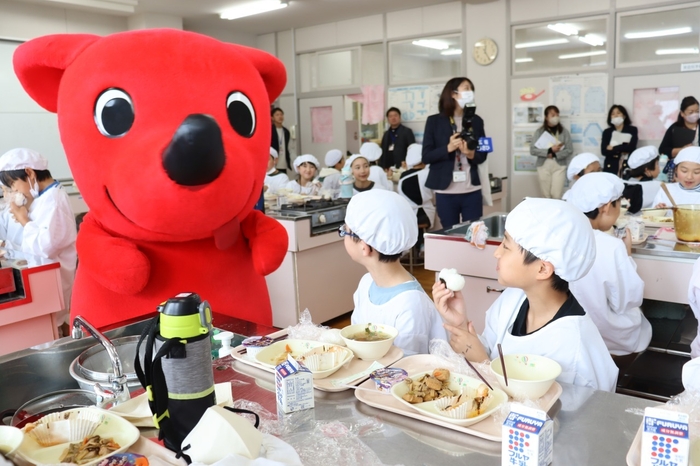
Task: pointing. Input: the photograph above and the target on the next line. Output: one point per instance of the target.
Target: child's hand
(628, 241)
(461, 338)
(19, 213)
(450, 305)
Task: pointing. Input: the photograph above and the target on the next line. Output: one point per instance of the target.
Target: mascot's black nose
(195, 156)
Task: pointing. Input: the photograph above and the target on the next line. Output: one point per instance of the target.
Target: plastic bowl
(10, 439)
(529, 375)
(369, 349)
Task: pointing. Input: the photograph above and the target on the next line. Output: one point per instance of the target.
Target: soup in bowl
(369, 341)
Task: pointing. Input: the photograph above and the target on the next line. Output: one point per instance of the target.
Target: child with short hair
(330, 174)
(373, 152)
(547, 245)
(643, 169)
(580, 165)
(379, 226)
(306, 167)
(612, 291)
(687, 189)
(360, 172)
(274, 179)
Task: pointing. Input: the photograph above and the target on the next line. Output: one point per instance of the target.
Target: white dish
(374, 349)
(529, 375)
(458, 384)
(298, 348)
(112, 426)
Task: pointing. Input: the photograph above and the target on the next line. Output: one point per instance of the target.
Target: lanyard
(458, 157)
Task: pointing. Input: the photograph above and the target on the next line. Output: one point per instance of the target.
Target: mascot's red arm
(267, 240)
(115, 263)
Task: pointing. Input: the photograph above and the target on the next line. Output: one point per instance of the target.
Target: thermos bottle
(179, 379)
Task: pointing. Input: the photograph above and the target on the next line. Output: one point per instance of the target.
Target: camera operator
(449, 144)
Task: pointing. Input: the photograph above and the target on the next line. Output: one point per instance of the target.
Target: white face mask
(34, 188)
(465, 97)
(553, 121)
(617, 121)
(692, 118)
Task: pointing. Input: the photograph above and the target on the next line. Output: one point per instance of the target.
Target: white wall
(433, 19)
(351, 31)
(536, 10)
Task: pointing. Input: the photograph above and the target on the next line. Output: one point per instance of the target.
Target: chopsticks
(274, 340)
(478, 373)
(503, 363)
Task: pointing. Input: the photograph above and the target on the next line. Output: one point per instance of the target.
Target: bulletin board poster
(524, 162)
(655, 109)
(583, 108)
(415, 102)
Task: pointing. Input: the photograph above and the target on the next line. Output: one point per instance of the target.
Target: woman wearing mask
(683, 133)
(552, 162)
(454, 172)
(614, 151)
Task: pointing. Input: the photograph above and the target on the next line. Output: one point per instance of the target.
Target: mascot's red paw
(167, 135)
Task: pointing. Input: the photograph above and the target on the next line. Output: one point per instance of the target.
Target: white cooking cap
(595, 190)
(689, 154)
(414, 155)
(352, 158)
(19, 159)
(274, 153)
(556, 232)
(371, 151)
(305, 158)
(580, 162)
(642, 156)
(384, 220)
(333, 156)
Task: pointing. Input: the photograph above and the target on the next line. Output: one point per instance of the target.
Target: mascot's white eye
(241, 114)
(114, 113)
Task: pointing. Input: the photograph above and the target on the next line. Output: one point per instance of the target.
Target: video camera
(467, 133)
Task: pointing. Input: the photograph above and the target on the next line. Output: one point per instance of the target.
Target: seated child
(379, 226)
(330, 174)
(360, 172)
(372, 152)
(548, 243)
(687, 189)
(643, 170)
(274, 179)
(306, 166)
(49, 223)
(580, 165)
(412, 186)
(612, 291)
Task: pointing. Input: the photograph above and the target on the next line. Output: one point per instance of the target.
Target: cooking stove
(326, 214)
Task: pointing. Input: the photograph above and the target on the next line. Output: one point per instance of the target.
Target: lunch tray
(487, 429)
(355, 366)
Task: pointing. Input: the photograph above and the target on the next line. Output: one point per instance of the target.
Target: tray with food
(335, 368)
(466, 406)
(657, 218)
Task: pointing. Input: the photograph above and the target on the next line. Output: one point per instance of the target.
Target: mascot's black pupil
(117, 116)
(240, 118)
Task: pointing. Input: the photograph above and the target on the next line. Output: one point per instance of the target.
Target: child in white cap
(643, 169)
(372, 152)
(306, 166)
(330, 174)
(580, 165)
(687, 189)
(274, 179)
(412, 186)
(360, 172)
(379, 226)
(612, 291)
(548, 244)
(48, 220)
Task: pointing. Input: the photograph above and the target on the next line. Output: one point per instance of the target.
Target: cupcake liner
(51, 433)
(460, 412)
(63, 427)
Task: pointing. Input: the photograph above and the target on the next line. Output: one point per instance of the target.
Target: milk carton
(528, 435)
(294, 386)
(665, 440)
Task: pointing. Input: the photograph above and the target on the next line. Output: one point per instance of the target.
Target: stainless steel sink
(496, 223)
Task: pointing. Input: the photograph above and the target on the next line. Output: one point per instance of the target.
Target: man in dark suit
(280, 140)
(395, 141)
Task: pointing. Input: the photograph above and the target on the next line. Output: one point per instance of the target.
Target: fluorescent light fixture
(432, 44)
(451, 52)
(592, 39)
(114, 6)
(523, 60)
(658, 33)
(252, 8)
(689, 50)
(541, 43)
(563, 28)
(583, 54)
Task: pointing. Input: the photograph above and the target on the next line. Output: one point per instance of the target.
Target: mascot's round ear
(39, 64)
(270, 68)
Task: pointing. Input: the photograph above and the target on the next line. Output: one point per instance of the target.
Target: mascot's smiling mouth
(224, 237)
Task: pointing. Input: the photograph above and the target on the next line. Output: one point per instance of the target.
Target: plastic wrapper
(477, 234)
(307, 330)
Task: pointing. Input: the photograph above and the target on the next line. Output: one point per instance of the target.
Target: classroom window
(576, 44)
(659, 36)
(427, 59)
(335, 69)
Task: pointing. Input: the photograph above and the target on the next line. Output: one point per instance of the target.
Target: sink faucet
(119, 391)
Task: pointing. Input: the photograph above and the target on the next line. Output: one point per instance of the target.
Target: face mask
(553, 121)
(466, 97)
(692, 118)
(617, 121)
(34, 188)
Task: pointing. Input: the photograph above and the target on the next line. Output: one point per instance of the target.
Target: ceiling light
(563, 28)
(658, 33)
(523, 60)
(252, 8)
(541, 43)
(114, 6)
(592, 39)
(451, 52)
(583, 54)
(432, 44)
(689, 50)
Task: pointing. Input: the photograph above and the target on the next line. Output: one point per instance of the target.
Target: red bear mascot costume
(167, 135)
